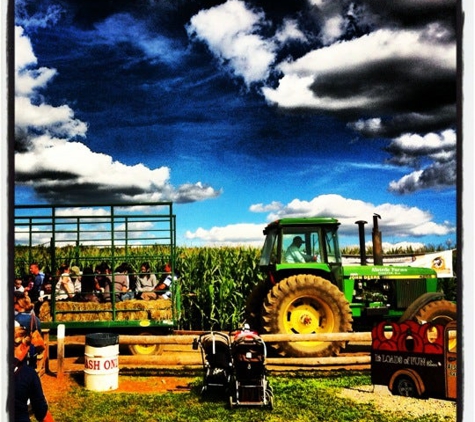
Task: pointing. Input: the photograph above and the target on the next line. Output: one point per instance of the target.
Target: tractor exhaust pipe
(377, 242)
(361, 224)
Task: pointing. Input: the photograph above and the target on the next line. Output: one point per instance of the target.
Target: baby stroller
(216, 357)
(249, 385)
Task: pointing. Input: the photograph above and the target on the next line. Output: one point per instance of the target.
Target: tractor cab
(315, 239)
(296, 245)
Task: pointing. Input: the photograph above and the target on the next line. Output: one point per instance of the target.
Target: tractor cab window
(269, 253)
(300, 245)
(331, 244)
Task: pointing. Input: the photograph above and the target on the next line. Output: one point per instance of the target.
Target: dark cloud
(415, 151)
(437, 176)
(413, 13)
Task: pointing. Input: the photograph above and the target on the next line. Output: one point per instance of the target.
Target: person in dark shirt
(26, 318)
(38, 276)
(27, 383)
(24, 313)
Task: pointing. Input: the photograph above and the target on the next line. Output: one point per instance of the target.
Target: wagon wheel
(404, 386)
(146, 349)
(306, 304)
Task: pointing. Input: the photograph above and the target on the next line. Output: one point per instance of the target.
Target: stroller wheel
(231, 402)
(269, 398)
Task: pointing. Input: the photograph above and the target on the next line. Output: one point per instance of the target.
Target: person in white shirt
(293, 254)
(163, 289)
(146, 282)
(65, 286)
(19, 285)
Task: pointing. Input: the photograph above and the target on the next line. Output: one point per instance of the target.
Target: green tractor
(307, 289)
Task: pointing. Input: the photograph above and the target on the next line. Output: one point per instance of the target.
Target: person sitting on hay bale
(146, 283)
(122, 283)
(162, 290)
(65, 289)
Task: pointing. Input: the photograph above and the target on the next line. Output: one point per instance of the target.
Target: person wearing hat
(76, 275)
(293, 254)
(65, 286)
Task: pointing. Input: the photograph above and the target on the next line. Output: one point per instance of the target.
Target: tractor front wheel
(438, 312)
(306, 304)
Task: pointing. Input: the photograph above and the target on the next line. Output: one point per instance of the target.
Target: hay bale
(164, 304)
(160, 314)
(44, 313)
(131, 315)
(129, 310)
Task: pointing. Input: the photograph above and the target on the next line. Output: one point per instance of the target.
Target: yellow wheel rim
(307, 315)
(146, 350)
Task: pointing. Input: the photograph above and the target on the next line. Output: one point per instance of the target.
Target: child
(19, 285)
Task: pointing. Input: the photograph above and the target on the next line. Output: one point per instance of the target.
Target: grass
(303, 397)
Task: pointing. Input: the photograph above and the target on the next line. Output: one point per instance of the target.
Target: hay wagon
(85, 235)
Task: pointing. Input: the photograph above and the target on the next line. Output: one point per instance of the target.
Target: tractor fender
(421, 301)
(416, 378)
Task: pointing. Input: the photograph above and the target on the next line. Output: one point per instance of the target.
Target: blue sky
(243, 112)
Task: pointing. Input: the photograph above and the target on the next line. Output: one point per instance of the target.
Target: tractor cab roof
(302, 221)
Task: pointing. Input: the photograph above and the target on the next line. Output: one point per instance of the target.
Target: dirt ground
(55, 388)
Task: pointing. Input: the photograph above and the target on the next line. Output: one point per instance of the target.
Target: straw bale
(129, 310)
(44, 313)
(131, 315)
(161, 314)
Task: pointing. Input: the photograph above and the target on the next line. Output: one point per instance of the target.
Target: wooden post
(45, 363)
(60, 351)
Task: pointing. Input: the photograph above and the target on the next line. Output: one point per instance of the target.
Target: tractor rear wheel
(438, 311)
(306, 304)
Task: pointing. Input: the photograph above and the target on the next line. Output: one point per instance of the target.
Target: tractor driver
(293, 254)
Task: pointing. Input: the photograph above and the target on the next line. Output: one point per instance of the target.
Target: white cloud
(347, 58)
(403, 246)
(54, 120)
(28, 79)
(75, 211)
(425, 144)
(230, 33)
(273, 206)
(24, 55)
(410, 149)
(372, 125)
(52, 154)
(398, 221)
(56, 167)
(233, 234)
(290, 31)
(333, 28)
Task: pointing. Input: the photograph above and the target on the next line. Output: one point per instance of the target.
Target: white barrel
(101, 362)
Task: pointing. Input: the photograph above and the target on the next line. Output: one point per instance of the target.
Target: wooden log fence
(194, 358)
(145, 340)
